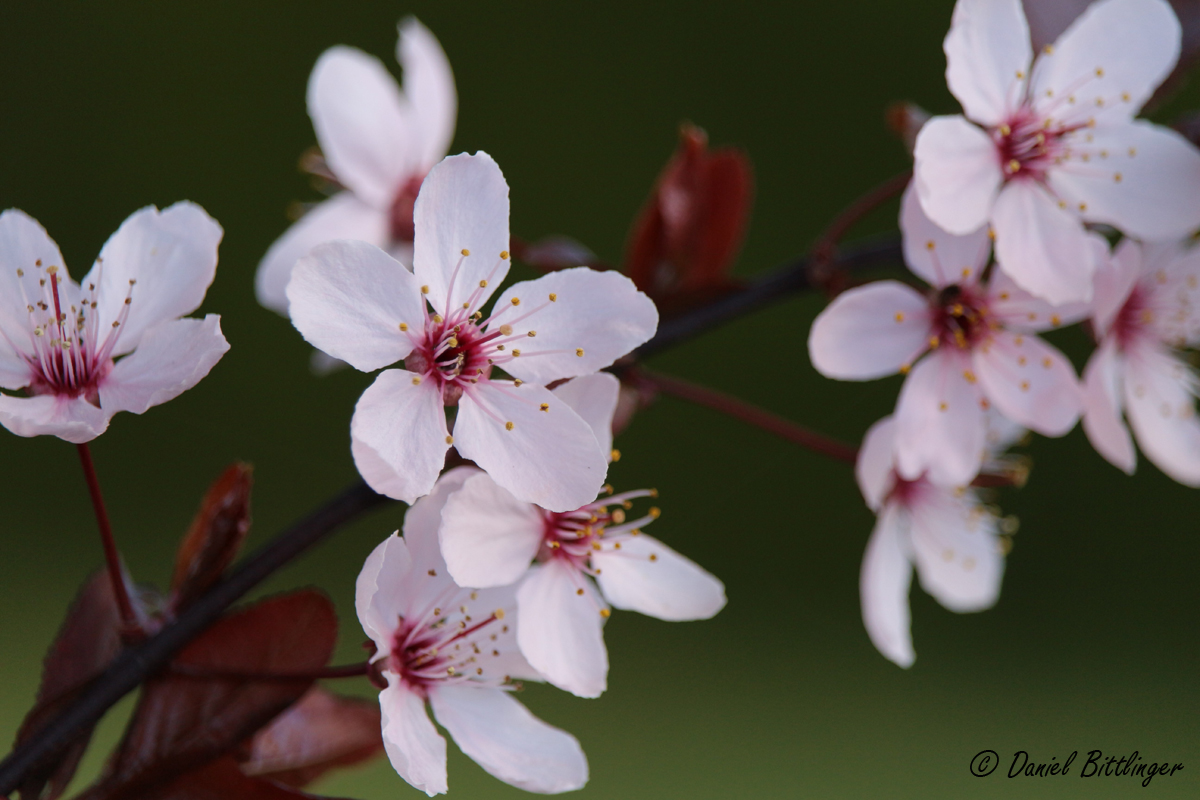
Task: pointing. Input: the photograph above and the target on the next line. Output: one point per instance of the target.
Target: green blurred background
(107, 107)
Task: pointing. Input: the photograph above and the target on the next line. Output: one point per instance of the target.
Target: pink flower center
(1028, 144)
(68, 355)
(574, 535)
(400, 219)
(449, 645)
(961, 317)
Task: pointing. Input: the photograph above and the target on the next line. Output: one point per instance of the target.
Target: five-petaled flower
(455, 648)
(1144, 310)
(982, 351)
(115, 342)
(379, 143)
(490, 538)
(354, 302)
(945, 532)
(1054, 142)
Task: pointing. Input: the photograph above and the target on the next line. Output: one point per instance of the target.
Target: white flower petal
(24, 244)
(648, 577)
(343, 216)
(1139, 177)
(415, 748)
(429, 87)
(173, 356)
(1117, 51)
(1018, 310)
(594, 398)
(596, 318)
(500, 735)
(488, 536)
(883, 587)
(15, 372)
(1041, 245)
(1114, 282)
(939, 421)
(1029, 382)
(73, 420)
(1160, 405)
(548, 457)
(462, 206)
(987, 57)
(350, 299)
(870, 331)
(940, 258)
(172, 256)
(957, 173)
(378, 590)
(363, 124)
(1102, 406)
(954, 545)
(874, 468)
(398, 435)
(560, 630)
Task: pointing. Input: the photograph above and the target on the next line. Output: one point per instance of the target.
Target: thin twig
(824, 252)
(748, 413)
(112, 557)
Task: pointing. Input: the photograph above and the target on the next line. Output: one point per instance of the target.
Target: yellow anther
(1083, 206)
(518, 382)
(966, 273)
(553, 297)
(516, 352)
(416, 380)
(654, 492)
(483, 284)
(943, 407)
(498, 613)
(654, 557)
(466, 252)
(452, 342)
(1125, 96)
(1014, 166)
(616, 454)
(1024, 386)
(618, 516)
(424, 290)
(506, 330)
(503, 255)
(531, 334)
(579, 352)
(655, 512)
(904, 368)
(604, 612)
(579, 591)
(544, 406)
(969, 376)
(508, 426)
(1020, 75)
(899, 316)
(1022, 361)
(1099, 72)
(437, 318)
(1048, 49)
(1019, 340)
(1055, 320)
(449, 440)
(516, 301)
(1117, 177)
(934, 342)
(1047, 362)
(1005, 130)
(403, 326)
(930, 245)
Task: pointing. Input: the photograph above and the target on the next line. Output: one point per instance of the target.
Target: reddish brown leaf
(691, 228)
(222, 780)
(1049, 18)
(183, 723)
(215, 537)
(88, 640)
(322, 731)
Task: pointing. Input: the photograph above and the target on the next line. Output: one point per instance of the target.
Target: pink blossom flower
(945, 533)
(378, 141)
(1144, 311)
(981, 351)
(83, 352)
(456, 650)
(354, 302)
(490, 538)
(1052, 142)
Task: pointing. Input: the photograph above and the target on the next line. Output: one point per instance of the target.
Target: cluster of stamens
(961, 317)
(458, 347)
(68, 353)
(447, 644)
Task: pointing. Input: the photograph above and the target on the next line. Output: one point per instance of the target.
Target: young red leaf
(215, 537)
(88, 640)
(222, 780)
(691, 228)
(182, 723)
(319, 733)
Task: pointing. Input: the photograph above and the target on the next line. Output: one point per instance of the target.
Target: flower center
(400, 218)
(450, 644)
(1028, 144)
(574, 535)
(960, 316)
(68, 355)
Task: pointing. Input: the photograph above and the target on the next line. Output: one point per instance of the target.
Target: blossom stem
(825, 250)
(112, 556)
(748, 413)
(324, 673)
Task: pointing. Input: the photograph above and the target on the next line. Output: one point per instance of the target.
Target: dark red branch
(824, 252)
(748, 413)
(112, 556)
